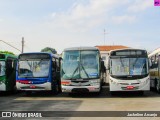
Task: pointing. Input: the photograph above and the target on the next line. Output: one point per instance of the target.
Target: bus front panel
(34, 72)
(142, 84)
(81, 71)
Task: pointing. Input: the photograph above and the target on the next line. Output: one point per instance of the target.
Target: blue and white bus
(38, 72)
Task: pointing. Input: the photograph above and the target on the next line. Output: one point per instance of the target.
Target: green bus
(7, 72)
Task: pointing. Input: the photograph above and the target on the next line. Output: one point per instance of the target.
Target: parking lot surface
(88, 102)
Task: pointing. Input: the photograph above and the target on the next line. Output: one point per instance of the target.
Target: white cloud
(1, 20)
(82, 17)
(124, 18)
(140, 5)
(53, 14)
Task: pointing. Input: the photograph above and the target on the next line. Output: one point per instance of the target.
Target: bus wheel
(157, 86)
(59, 89)
(97, 93)
(28, 93)
(112, 93)
(55, 88)
(15, 89)
(141, 92)
(70, 94)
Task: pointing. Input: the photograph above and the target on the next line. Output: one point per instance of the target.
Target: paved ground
(150, 101)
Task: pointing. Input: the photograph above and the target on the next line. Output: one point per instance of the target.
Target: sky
(70, 23)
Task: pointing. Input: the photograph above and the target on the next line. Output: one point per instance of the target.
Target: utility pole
(22, 44)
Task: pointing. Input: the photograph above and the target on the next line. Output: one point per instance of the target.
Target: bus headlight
(94, 82)
(111, 80)
(65, 82)
(146, 81)
(114, 82)
(1, 82)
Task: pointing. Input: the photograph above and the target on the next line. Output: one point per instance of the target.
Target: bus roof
(51, 54)
(80, 48)
(129, 49)
(8, 55)
(157, 51)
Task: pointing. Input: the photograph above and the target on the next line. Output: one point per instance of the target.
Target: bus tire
(55, 87)
(97, 93)
(141, 92)
(157, 86)
(112, 93)
(14, 89)
(28, 93)
(70, 94)
(59, 88)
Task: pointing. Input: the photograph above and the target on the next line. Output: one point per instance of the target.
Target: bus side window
(154, 61)
(9, 67)
(103, 68)
(58, 65)
(54, 67)
(14, 63)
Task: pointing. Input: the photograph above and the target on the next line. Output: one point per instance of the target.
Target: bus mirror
(107, 68)
(156, 62)
(60, 58)
(150, 63)
(103, 66)
(53, 70)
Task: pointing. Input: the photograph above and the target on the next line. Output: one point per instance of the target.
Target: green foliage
(50, 50)
(7, 52)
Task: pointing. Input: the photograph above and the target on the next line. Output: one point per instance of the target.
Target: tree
(7, 52)
(50, 50)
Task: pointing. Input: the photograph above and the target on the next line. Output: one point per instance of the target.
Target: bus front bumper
(2, 87)
(130, 85)
(72, 89)
(33, 87)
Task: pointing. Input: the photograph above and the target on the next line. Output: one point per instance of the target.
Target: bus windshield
(128, 66)
(34, 68)
(2, 68)
(80, 64)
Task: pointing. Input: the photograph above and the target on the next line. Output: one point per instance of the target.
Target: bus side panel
(10, 74)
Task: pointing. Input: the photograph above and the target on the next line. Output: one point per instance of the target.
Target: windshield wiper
(135, 62)
(77, 69)
(121, 62)
(84, 70)
(74, 71)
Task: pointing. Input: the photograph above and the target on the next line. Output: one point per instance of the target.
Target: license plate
(130, 87)
(33, 86)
